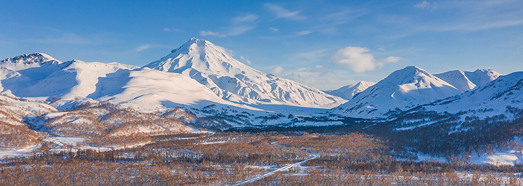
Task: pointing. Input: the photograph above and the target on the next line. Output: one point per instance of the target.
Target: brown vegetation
(227, 158)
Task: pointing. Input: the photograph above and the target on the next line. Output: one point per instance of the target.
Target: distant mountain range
(199, 74)
(409, 87)
(41, 77)
(349, 91)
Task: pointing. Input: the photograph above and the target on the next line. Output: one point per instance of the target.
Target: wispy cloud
(239, 25)
(463, 16)
(317, 76)
(477, 15)
(281, 12)
(422, 5)
(274, 29)
(175, 30)
(359, 59)
(245, 59)
(149, 46)
(249, 18)
(473, 4)
(143, 47)
(332, 20)
(239, 30)
(313, 56)
(304, 32)
(277, 70)
(210, 33)
(470, 27)
(343, 16)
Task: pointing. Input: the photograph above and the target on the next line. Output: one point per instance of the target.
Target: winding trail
(266, 174)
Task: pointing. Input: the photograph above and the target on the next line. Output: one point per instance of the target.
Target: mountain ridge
(234, 81)
(349, 91)
(400, 91)
(465, 80)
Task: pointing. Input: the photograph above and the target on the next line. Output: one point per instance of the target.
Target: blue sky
(325, 44)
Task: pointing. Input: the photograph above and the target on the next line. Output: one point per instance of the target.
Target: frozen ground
(267, 174)
(18, 152)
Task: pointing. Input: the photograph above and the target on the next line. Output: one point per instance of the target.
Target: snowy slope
(400, 91)
(465, 81)
(13, 111)
(149, 90)
(14, 132)
(232, 80)
(39, 76)
(348, 92)
(23, 71)
(491, 99)
(481, 77)
(108, 120)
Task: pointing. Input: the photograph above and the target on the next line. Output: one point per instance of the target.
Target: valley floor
(241, 158)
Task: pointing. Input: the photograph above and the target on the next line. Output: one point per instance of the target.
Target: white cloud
(175, 30)
(238, 30)
(381, 48)
(304, 32)
(422, 5)
(274, 29)
(342, 17)
(143, 47)
(245, 59)
(210, 33)
(355, 58)
(281, 12)
(239, 25)
(392, 59)
(277, 70)
(359, 59)
(245, 19)
(148, 46)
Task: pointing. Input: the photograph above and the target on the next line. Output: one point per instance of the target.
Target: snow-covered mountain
(150, 90)
(349, 91)
(491, 99)
(465, 81)
(232, 80)
(39, 76)
(400, 91)
(26, 61)
(42, 77)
